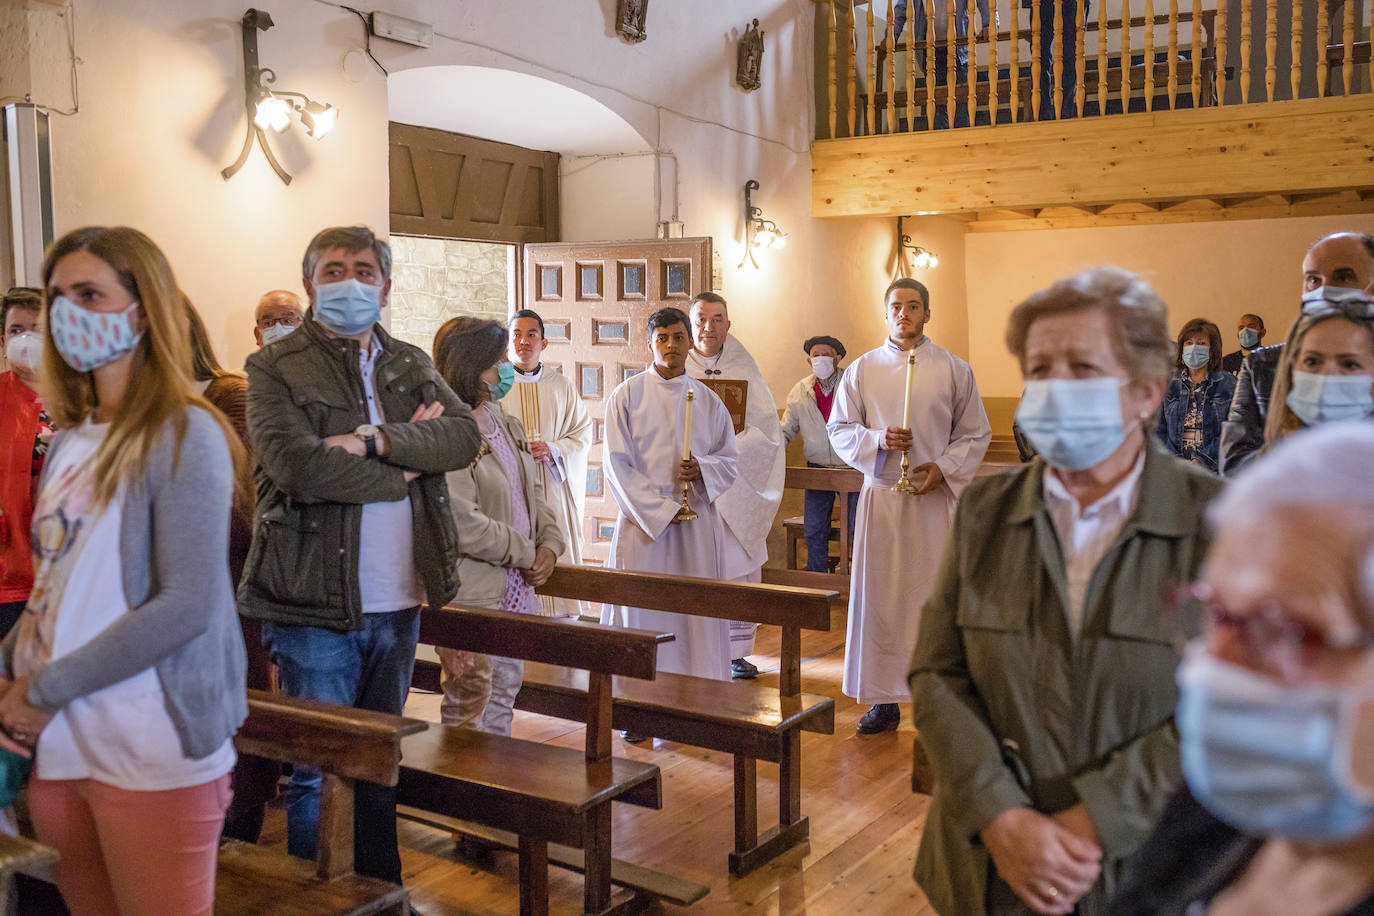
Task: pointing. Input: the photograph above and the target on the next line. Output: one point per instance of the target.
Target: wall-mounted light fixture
(758, 232)
(270, 109)
(921, 258)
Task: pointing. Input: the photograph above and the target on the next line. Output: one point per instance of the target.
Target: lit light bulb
(934, 261)
(273, 113)
(319, 119)
(764, 237)
(779, 239)
(921, 261)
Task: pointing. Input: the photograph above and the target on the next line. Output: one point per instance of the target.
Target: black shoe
(742, 669)
(632, 738)
(881, 717)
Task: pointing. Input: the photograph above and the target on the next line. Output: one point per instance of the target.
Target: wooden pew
(549, 803)
(842, 481)
(347, 745)
(750, 721)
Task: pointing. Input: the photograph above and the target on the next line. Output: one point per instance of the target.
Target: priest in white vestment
(560, 436)
(901, 535)
(751, 504)
(644, 471)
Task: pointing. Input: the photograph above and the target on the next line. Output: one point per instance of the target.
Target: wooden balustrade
(885, 82)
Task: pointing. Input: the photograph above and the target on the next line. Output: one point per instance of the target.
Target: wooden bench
(842, 481)
(532, 796)
(750, 721)
(347, 745)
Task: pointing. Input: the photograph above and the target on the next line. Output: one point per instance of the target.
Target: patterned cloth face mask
(88, 340)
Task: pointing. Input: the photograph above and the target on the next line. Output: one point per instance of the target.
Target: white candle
(906, 397)
(687, 430)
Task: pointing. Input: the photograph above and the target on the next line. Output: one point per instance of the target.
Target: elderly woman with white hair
(1276, 717)
(1043, 676)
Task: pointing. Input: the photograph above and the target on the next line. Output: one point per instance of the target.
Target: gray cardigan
(174, 550)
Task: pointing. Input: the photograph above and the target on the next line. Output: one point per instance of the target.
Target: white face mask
(25, 350)
(823, 366)
(1073, 423)
(1324, 398)
(276, 332)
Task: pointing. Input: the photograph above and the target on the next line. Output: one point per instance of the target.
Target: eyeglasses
(1273, 640)
(291, 320)
(1325, 301)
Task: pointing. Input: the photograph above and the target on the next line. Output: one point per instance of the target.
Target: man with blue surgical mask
(278, 313)
(1250, 332)
(353, 431)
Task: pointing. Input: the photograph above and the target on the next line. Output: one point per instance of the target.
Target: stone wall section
(432, 280)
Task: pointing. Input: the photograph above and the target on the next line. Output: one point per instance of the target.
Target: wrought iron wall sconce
(921, 258)
(758, 232)
(271, 108)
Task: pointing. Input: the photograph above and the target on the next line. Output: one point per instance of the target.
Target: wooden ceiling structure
(1222, 157)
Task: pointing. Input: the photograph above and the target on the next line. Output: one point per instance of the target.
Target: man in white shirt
(752, 502)
(808, 410)
(901, 535)
(560, 434)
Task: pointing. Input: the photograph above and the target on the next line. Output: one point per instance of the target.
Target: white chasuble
(643, 448)
(900, 537)
(551, 410)
(751, 504)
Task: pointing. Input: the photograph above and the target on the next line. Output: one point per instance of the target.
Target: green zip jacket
(1015, 712)
(303, 565)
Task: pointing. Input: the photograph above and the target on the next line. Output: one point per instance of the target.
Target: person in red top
(24, 434)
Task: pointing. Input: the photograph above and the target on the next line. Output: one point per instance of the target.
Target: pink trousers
(125, 852)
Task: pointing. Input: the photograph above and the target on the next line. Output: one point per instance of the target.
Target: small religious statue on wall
(629, 19)
(750, 57)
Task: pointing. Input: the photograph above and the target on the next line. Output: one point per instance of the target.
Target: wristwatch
(368, 433)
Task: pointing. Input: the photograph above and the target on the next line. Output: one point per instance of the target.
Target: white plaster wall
(601, 199)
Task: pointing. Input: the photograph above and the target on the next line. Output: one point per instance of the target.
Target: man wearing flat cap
(806, 413)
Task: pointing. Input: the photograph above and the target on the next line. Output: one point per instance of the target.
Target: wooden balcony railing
(1229, 55)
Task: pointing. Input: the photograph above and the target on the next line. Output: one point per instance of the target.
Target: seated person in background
(1198, 397)
(1250, 332)
(1327, 369)
(1344, 260)
(508, 537)
(1276, 714)
(806, 413)
(278, 313)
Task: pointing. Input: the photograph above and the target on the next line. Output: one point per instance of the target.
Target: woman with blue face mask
(1276, 709)
(1198, 397)
(508, 535)
(1042, 679)
(1326, 372)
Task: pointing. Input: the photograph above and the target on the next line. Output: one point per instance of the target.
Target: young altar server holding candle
(653, 446)
(944, 434)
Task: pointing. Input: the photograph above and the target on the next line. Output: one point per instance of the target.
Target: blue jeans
(942, 76)
(1068, 107)
(816, 524)
(368, 669)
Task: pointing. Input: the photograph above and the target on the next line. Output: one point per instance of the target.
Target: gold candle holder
(684, 511)
(904, 484)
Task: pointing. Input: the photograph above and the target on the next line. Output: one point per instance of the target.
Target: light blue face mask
(1249, 338)
(1325, 398)
(347, 307)
(501, 387)
(1073, 423)
(1267, 758)
(1195, 356)
(276, 332)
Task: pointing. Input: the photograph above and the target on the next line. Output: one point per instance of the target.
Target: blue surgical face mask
(1324, 398)
(1249, 338)
(88, 340)
(276, 332)
(1195, 356)
(1073, 423)
(1268, 758)
(501, 387)
(348, 307)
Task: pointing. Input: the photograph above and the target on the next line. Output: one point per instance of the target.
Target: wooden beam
(1361, 201)
(1178, 155)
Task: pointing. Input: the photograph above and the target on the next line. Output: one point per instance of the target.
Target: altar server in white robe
(901, 535)
(751, 504)
(560, 436)
(644, 470)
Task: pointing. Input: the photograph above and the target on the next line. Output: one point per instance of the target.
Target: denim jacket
(1217, 390)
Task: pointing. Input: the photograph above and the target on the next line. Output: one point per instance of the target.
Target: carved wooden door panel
(596, 299)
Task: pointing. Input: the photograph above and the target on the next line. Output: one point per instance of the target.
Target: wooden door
(596, 299)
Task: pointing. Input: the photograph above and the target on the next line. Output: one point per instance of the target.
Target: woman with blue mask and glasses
(1043, 676)
(1326, 372)
(1198, 397)
(508, 535)
(1276, 709)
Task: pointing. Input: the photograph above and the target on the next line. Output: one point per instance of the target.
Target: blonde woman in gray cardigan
(508, 537)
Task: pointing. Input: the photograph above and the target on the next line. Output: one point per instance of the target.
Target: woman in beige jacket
(507, 535)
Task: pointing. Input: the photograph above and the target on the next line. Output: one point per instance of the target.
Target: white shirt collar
(891, 345)
(1120, 498)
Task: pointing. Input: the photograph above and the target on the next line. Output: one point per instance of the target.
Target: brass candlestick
(904, 484)
(684, 511)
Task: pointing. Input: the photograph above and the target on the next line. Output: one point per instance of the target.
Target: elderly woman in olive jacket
(1042, 681)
